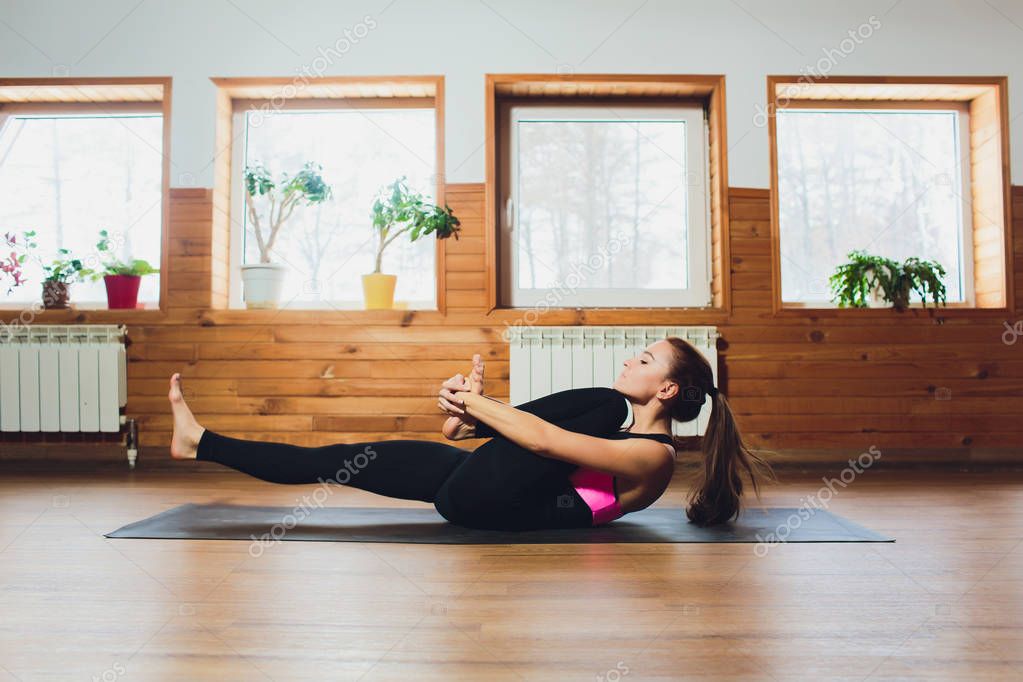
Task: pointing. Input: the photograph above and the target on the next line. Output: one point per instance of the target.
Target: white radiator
(544, 360)
(62, 378)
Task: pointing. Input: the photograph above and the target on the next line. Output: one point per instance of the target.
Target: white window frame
(698, 293)
(238, 209)
(42, 110)
(965, 232)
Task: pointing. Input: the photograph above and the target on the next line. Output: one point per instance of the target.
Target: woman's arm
(522, 428)
(630, 457)
(569, 404)
(562, 405)
(633, 457)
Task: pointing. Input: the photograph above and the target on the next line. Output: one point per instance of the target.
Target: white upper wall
(464, 39)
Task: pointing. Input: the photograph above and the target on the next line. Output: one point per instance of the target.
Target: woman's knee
(455, 501)
(460, 502)
(477, 488)
(453, 512)
(442, 503)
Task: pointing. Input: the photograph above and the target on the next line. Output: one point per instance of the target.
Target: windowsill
(396, 316)
(512, 316)
(694, 309)
(632, 316)
(78, 314)
(323, 307)
(914, 309)
(496, 316)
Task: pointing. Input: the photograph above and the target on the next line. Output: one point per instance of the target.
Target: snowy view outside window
(620, 191)
(328, 247)
(67, 177)
(886, 181)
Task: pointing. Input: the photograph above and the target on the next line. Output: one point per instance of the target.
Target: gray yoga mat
(422, 525)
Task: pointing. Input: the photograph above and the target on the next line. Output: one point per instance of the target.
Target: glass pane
(582, 182)
(329, 246)
(68, 177)
(888, 182)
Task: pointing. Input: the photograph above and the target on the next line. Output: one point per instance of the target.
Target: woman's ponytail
(716, 496)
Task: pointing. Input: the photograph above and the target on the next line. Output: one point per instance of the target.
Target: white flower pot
(875, 298)
(262, 284)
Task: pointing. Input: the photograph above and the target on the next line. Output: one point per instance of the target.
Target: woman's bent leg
(500, 468)
(502, 481)
(558, 508)
(404, 469)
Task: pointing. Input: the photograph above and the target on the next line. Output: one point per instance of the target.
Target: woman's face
(646, 373)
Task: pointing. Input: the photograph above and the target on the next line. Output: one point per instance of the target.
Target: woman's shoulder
(593, 390)
(663, 438)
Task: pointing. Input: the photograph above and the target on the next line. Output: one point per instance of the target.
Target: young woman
(559, 461)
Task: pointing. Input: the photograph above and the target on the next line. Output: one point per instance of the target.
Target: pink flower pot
(122, 291)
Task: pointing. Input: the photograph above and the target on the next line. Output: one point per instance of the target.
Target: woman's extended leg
(405, 469)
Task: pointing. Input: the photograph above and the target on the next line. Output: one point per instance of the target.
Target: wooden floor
(943, 602)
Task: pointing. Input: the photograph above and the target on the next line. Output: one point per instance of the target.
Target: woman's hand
(448, 399)
(460, 425)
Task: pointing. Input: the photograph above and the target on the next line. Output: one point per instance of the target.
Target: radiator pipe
(133, 442)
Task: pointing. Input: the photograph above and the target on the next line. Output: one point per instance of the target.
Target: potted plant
(397, 211)
(881, 279)
(262, 281)
(121, 278)
(58, 274)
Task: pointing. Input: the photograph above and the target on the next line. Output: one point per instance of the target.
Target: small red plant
(10, 265)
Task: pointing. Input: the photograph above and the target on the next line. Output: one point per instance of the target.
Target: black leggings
(499, 485)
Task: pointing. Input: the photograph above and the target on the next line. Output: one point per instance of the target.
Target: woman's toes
(175, 389)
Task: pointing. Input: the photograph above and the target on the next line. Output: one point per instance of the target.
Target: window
(605, 206)
(69, 171)
(897, 167)
(328, 247)
(888, 181)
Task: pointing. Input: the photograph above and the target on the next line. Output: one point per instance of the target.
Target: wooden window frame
(503, 90)
(105, 95)
(238, 94)
(699, 215)
(990, 202)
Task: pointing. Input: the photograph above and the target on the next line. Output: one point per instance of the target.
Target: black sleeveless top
(619, 435)
(663, 437)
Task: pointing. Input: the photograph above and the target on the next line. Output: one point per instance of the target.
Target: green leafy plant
(281, 197)
(116, 266)
(852, 282)
(63, 269)
(398, 210)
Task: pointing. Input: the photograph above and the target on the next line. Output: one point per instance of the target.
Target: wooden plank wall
(266, 376)
(898, 382)
(795, 383)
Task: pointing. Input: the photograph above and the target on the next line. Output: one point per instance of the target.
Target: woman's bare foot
(187, 431)
(456, 429)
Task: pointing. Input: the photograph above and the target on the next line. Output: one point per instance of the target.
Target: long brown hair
(715, 497)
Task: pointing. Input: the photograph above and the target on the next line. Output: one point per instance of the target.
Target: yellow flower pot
(378, 290)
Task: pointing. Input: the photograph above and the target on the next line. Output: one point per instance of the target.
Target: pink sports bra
(598, 488)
